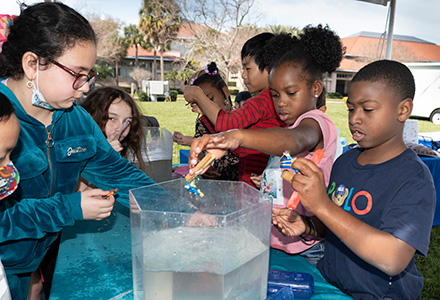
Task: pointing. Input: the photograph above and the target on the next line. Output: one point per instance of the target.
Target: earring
(316, 95)
(226, 102)
(29, 84)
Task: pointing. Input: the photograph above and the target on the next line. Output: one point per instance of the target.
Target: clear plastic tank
(157, 153)
(213, 247)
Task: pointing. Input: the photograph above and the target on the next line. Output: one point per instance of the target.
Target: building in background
(361, 49)
(365, 47)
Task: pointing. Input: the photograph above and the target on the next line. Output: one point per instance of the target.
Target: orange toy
(286, 175)
(110, 193)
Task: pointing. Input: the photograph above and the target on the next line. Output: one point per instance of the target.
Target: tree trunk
(155, 65)
(136, 62)
(117, 73)
(161, 65)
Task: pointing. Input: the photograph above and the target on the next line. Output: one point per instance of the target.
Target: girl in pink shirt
(295, 83)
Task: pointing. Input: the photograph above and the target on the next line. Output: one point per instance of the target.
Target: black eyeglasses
(80, 79)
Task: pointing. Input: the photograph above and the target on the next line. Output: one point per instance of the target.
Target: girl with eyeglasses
(45, 65)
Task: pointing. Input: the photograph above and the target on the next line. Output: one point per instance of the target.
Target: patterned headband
(5, 23)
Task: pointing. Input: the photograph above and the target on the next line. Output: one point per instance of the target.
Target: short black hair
(394, 74)
(243, 96)
(6, 108)
(254, 48)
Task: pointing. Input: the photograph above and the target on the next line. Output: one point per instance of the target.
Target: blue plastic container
(302, 284)
(274, 292)
(184, 156)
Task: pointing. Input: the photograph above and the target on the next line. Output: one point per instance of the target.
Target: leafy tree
(277, 29)
(109, 47)
(160, 22)
(132, 36)
(103, 70)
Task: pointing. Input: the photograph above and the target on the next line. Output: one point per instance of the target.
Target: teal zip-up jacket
(50, 161)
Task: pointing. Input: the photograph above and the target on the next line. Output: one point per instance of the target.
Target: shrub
(127, 89)
(232, 83)
(234, 92)
(142, 96)
(173, 95)
(335, 95)
(177, 90)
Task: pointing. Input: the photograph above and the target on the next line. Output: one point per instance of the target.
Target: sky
(420, 19)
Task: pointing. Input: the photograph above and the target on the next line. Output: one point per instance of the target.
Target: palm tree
(160, 22)
(132, 36)
(277, 29)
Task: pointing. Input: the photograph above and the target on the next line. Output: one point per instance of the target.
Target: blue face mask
(9, 179)
(38, 98)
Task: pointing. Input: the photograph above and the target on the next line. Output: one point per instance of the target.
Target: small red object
(294, 198)
(110, 193)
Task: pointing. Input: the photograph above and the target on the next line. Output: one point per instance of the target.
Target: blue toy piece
(193, 190)
(286, 160)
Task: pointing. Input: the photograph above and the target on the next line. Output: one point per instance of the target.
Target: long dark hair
(97, 105)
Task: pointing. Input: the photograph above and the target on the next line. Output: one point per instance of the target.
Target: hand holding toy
(207, 160)
(288, 176)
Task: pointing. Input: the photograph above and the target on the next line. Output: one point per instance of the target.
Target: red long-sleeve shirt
(257, 113)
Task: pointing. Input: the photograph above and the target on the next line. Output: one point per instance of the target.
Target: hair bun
(212, 67)
(324, 46)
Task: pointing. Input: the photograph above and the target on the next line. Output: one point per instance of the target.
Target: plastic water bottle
(274, 292)
(302, 284)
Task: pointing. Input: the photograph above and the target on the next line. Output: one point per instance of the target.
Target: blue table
(94, 262)
(434, 166)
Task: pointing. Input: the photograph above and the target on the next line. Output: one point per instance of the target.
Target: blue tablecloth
(94, 262)
(434, 166)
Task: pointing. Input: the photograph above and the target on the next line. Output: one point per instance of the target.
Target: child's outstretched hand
(288, 221)
(181, 139)
(215, 143)
(199, 219)
(309, 183)
(94, 208)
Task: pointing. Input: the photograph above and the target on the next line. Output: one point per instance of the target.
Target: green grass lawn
(175, 116)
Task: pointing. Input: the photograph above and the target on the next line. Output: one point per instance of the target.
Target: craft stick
(209, 157)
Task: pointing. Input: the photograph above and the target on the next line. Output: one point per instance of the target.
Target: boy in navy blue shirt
(383, 196)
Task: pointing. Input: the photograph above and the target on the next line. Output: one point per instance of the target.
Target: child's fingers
(276, 211)
(305, 167)
(197, 145)
(112, 137)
